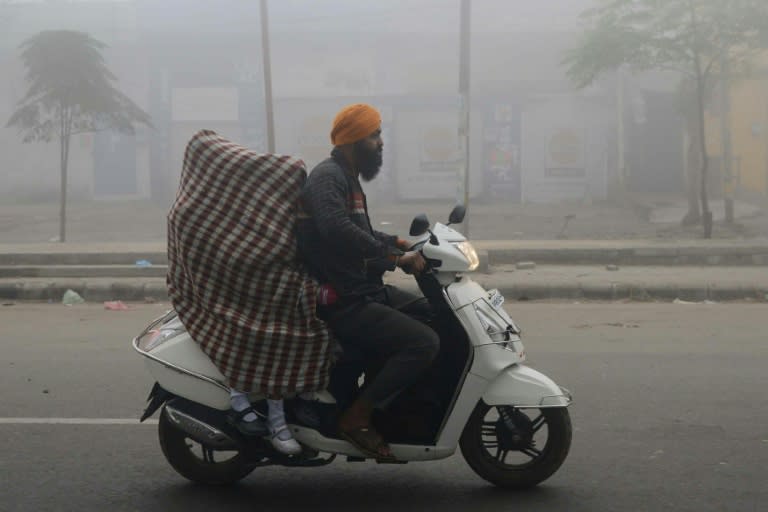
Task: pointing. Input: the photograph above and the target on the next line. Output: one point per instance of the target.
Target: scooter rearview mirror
(419, 225)
(457, 214)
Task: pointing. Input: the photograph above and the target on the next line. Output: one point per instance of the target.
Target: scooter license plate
(496, 299)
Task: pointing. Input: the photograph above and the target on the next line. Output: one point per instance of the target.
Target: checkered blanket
(233, 274)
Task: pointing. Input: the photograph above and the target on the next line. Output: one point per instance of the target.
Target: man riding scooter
(349, 258)
(234, 326)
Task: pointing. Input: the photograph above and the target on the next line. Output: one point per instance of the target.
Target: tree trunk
(62, 192)
(700, 90)
(725, 135)
(705, 212)
(692, 173)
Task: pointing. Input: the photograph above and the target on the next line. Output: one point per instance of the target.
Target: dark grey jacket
(335, 236)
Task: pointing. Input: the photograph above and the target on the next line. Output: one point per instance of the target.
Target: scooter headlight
(469, 252)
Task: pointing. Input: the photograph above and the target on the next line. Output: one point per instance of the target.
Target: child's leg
(282, 439)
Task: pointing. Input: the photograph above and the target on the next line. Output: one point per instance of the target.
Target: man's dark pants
(384, 334)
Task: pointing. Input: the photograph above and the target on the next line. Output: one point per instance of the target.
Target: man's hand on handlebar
(412, 262)
(403, 244)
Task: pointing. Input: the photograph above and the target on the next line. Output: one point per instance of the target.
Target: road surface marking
(74, 421)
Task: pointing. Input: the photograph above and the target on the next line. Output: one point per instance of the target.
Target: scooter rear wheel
(516, 448)
(195, 461)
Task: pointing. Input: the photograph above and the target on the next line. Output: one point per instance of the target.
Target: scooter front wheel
(197, 462)
(516, 448)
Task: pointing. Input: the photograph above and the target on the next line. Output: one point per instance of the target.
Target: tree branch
(94, 130)
(709, 66)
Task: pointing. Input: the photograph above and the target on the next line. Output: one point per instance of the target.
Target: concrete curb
(754, 255)
(155, 290)
(610, 292)
(91, 292)
(741, 255)
(82, 271)
(80, 258)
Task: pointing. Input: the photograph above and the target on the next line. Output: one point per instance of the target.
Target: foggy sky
(423, 16)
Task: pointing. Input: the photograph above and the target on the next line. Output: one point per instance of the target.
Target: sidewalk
(145, 221)
(571, 246)
(562, 269)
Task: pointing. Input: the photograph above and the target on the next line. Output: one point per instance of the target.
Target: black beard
(368, 161)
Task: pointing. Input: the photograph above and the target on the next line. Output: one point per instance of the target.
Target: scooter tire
(524, 476)
(175, 445)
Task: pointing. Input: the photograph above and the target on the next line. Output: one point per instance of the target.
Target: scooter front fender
(523, 387)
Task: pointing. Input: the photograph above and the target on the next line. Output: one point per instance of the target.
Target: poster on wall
(440, 149)
(565, 154)
(502, 153)
(428, 154)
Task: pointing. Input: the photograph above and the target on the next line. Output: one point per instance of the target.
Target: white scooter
(511, 422)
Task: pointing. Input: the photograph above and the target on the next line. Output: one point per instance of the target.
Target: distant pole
(267, 77)
(464, 98)
(622, 164)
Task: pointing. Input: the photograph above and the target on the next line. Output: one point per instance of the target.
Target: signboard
(501, 143)
(565, 149)
(440, 149)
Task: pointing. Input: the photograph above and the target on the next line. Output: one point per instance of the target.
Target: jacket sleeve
(325, 198)
(386, 239)
(386, 264)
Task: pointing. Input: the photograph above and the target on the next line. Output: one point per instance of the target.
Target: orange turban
(354, 123)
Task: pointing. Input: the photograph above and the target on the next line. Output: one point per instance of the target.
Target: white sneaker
(282, 440)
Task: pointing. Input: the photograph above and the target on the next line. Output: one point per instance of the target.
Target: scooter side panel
(174, 364)
(465, 292)
(488, 359)
(183, 351)
(522, 386)
(189, 386)
(471, 392)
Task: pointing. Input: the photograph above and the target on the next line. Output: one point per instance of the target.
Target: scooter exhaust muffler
(199, 430)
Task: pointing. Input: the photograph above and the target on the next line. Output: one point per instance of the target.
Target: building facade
(193, 64)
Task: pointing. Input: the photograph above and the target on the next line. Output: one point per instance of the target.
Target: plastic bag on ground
(115, 305)
(71, 297)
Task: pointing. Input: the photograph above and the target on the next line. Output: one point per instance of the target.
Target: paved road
(671, 413)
